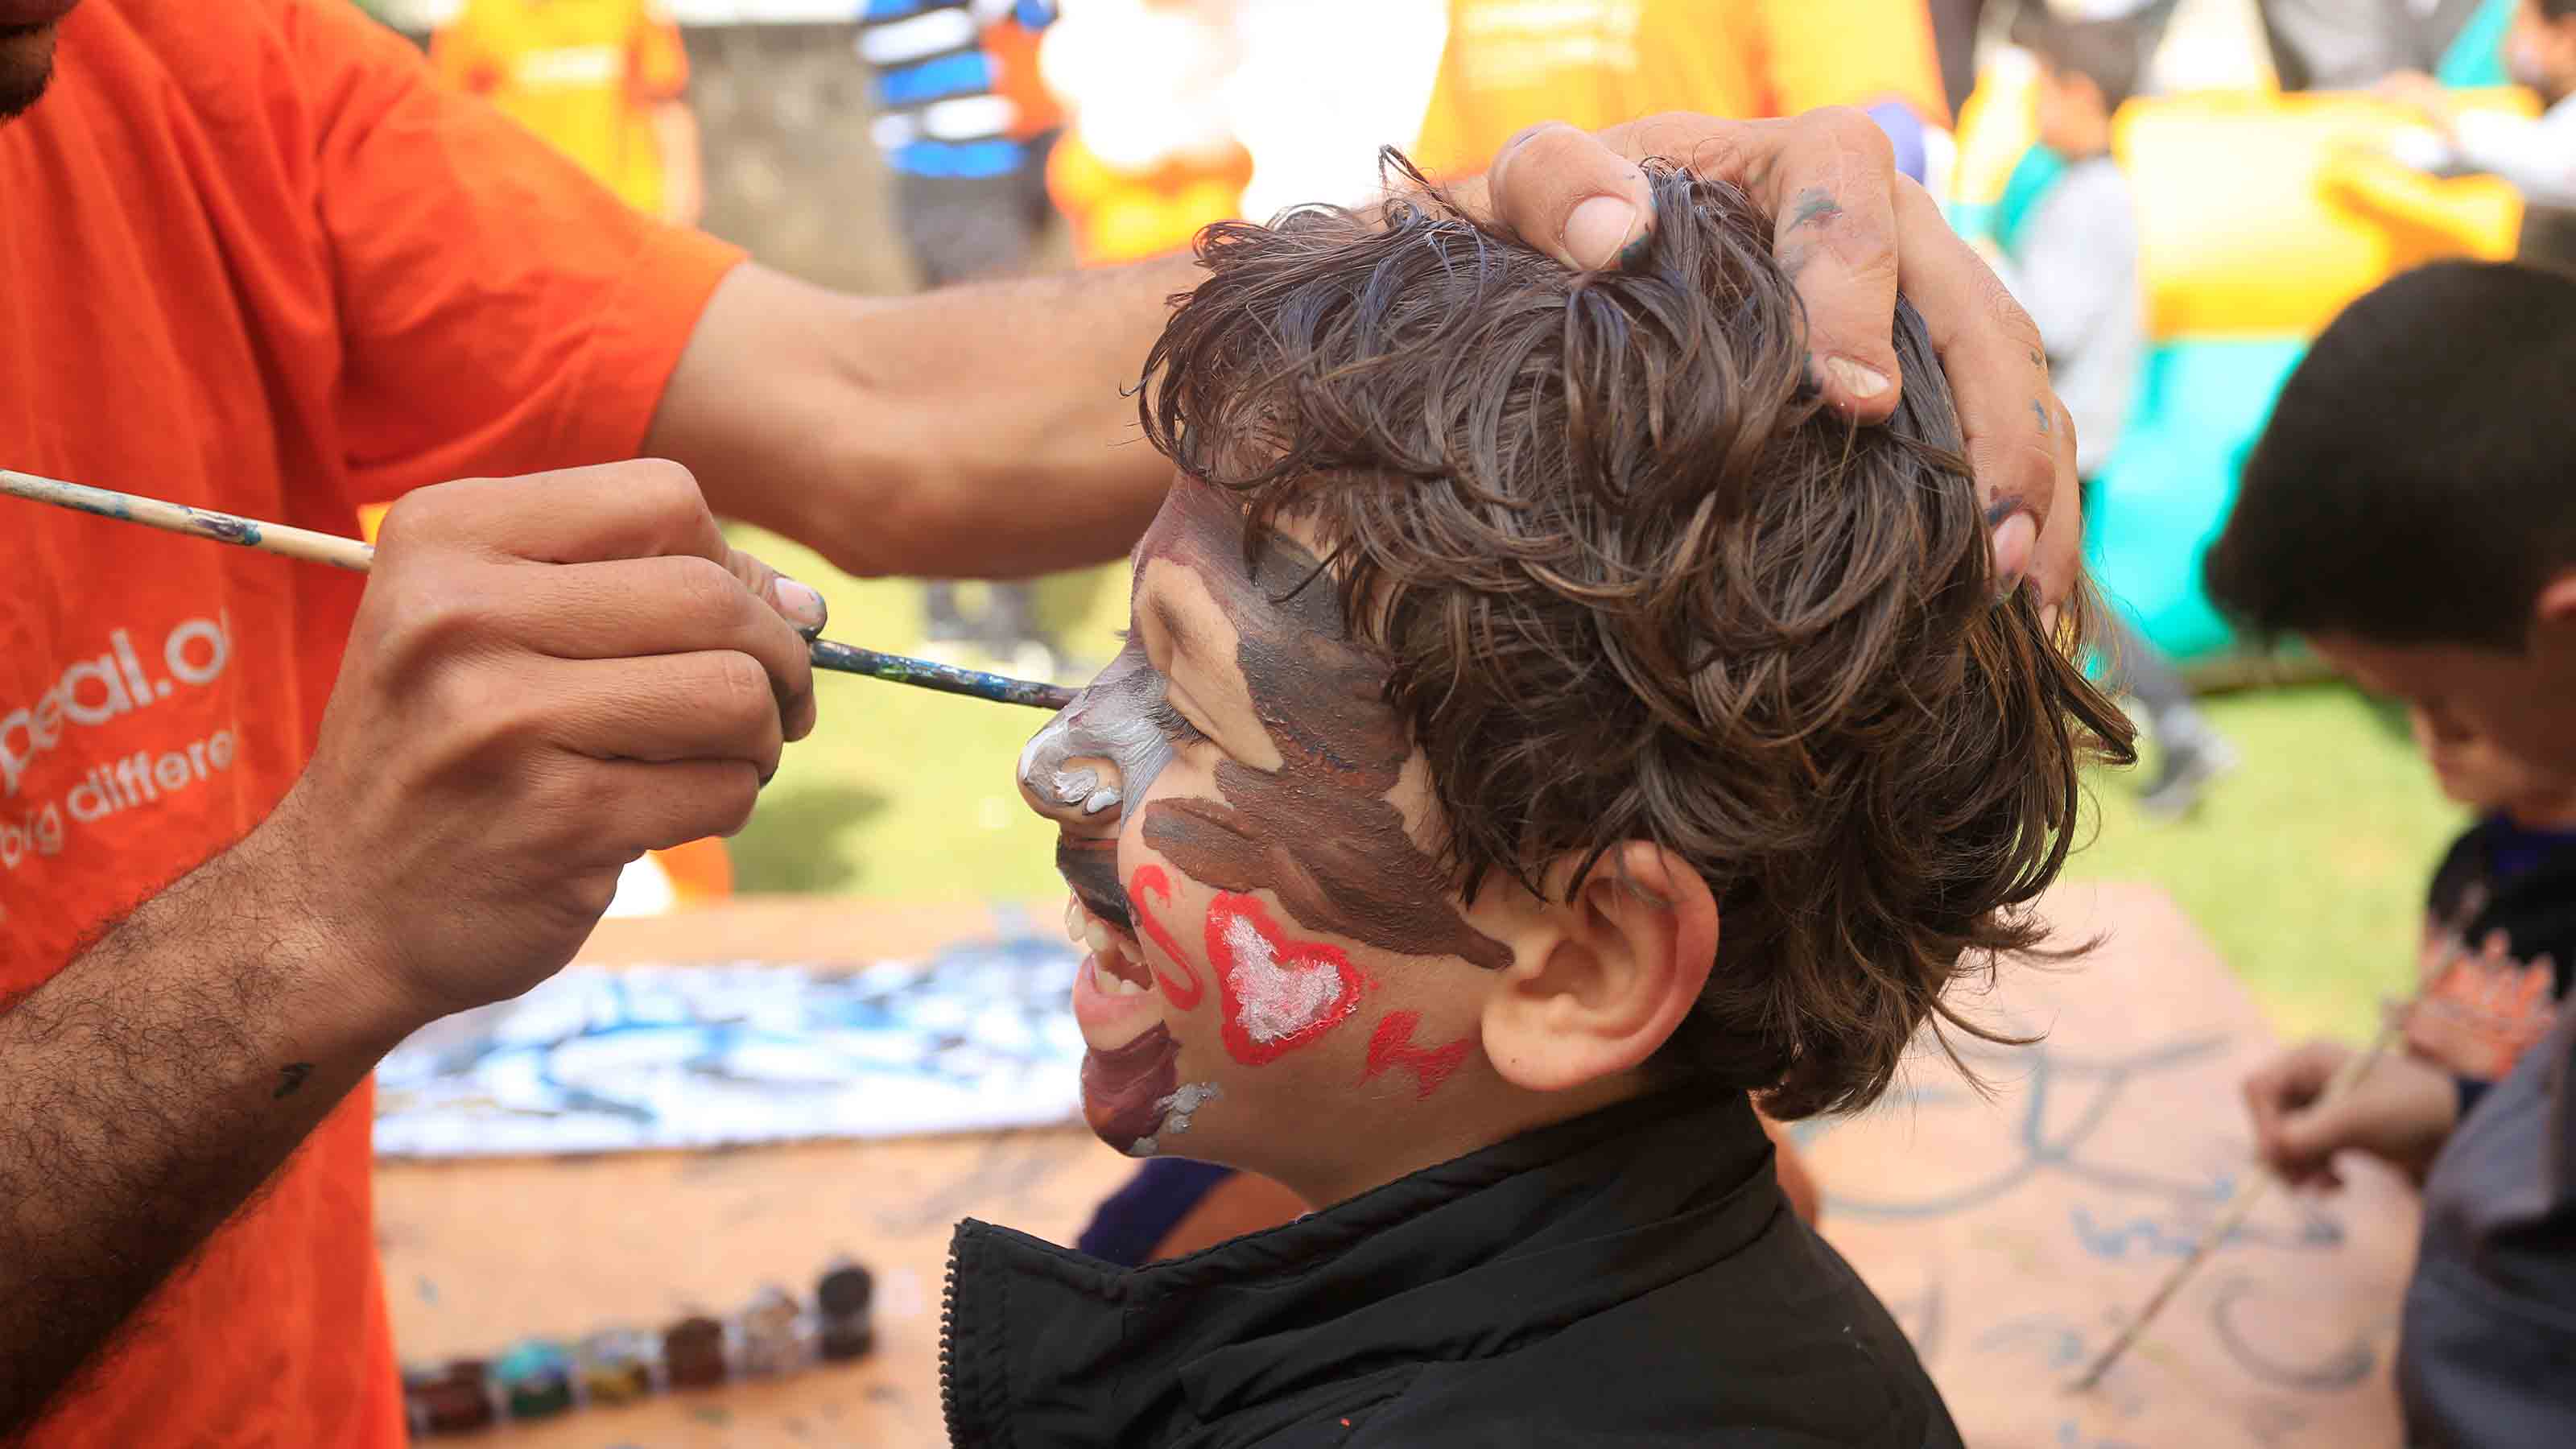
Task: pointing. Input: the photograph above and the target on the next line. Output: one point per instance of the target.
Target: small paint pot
(842, 1300)
(843, 1339)
(535, 1378)
(616, 1366)
(454, 1398)
(771, 1339)
(693, 1353)
(845, 1290)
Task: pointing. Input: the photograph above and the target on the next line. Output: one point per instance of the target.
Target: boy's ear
(2556, 606)
(1608, 972)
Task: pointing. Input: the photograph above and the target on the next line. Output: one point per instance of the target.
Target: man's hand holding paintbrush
(547, 678)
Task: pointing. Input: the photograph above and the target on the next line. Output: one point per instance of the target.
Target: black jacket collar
(1461, 1261)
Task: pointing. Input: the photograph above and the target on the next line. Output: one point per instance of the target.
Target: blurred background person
(965, 127)
(2343, 45)
(1511, 63)
(2537, 156)
(603, 81)
(2070, 255)
(1151, 152)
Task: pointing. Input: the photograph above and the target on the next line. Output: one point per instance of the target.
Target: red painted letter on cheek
(1393, 1046)
(1279, 994)
(1150, 879)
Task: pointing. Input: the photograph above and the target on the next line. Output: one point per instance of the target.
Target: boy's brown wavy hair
(1635, 583)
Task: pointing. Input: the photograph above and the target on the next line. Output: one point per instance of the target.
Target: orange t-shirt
(1510, 64)
(256, 260)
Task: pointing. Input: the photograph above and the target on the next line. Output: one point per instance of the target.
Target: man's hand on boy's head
(1852, 231)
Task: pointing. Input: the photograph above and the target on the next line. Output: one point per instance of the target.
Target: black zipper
(948, 1346)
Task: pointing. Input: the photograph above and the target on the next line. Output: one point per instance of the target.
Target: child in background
(2537, 156)
(2408, 513)
(2500, 920)
(969, 167)
(2070, 256)
(2499, 934)
(1543, 728)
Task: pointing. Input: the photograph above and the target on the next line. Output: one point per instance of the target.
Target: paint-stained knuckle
(1813, 208)
(2003, 475)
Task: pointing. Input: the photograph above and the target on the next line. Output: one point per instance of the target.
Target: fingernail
(2015, 539)
(1598, 231)
(803, 607)
(1862, 383)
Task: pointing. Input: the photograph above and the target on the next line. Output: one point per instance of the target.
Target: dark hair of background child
(2417, 481)
(2109, 53)
(1634, 582)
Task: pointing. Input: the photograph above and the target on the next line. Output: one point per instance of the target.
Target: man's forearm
(148, 1089)
(980, 430)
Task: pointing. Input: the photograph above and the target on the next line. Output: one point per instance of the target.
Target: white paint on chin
(1177, 1109)
(1276, 1003)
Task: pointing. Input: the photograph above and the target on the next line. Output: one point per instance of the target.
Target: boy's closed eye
(1167, 717)
(1175, 725)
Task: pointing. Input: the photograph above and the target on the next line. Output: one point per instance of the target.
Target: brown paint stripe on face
(1126, 1091)
(1318, 832)
(1343, 873)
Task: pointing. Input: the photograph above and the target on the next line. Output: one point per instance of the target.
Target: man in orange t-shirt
(1510, 64)
(259, 821)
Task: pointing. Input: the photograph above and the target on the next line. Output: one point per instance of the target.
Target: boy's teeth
(1097, 936)
(1073, 920)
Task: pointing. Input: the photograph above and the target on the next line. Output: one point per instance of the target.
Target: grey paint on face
(1111, 720)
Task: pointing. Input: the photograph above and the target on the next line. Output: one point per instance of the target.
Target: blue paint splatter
(224, 528)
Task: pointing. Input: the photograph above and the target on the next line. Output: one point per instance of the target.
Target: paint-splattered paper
(2014, 1236)
(977, 1036)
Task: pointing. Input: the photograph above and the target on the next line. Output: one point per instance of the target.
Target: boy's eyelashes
(1175, 725)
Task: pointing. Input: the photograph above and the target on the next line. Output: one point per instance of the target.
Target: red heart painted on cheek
(1150, 880)
(1279, 994)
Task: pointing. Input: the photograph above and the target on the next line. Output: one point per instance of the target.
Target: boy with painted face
(1540, 729)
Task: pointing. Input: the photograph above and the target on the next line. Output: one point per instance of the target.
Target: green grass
(2306, 867)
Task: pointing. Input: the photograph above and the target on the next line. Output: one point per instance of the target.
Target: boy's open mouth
(1113, 965)
(1130, 1068)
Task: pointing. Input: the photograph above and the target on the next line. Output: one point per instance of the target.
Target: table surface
(2011, 1236)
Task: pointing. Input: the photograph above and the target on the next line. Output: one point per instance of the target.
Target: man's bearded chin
(26, 66)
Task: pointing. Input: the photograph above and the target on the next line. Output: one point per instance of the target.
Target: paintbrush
(2247, 1197)
(359, 556)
